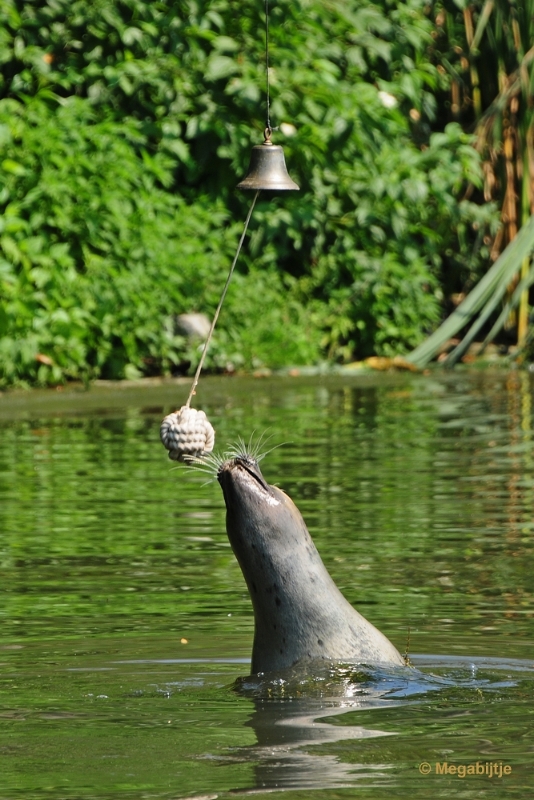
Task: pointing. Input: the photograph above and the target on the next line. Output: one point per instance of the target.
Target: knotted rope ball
(187, 432)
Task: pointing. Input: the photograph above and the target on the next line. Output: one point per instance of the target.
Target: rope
(187, 433)
(223, 295)
(267, 65)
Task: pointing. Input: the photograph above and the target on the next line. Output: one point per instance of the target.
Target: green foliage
(486, 55)
(483, 300)
(398, 215)
(82, 253)
(96, 259)
(118, 200)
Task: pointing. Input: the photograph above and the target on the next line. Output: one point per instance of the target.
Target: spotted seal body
(299, 612)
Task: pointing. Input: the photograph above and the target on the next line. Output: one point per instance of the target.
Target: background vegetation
(125, 126)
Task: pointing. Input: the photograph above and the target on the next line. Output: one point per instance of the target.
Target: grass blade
(487, 293)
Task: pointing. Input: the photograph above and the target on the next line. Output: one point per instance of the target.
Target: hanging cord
(187, 433)
(269, 127)
(223, 295)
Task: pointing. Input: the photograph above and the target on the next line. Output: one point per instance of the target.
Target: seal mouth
(249, 464)
(240, 476)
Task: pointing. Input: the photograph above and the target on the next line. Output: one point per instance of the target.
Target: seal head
(299, 613)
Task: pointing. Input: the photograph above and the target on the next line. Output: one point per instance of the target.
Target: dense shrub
(97, 259)
(118, 203)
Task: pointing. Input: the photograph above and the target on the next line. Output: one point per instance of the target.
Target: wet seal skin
(299, 613)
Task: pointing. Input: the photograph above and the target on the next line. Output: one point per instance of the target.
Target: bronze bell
(267, 170)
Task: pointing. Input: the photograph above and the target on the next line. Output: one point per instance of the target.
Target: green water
(125, 620)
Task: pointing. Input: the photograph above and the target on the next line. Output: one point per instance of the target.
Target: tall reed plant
(486, 48)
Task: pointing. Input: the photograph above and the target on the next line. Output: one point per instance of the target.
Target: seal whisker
(262, 441)
(208, 471)
(261, 456)
(238, 449)
(245, 446)
(211, 480)
(209, 463)
(205, 458)
(212, 475)
(252, 450)
(255, 447)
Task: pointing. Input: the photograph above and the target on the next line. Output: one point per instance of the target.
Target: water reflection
(284, 733)
(305, 708)
(125, 618)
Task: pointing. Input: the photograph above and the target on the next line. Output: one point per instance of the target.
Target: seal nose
(252, 467)
(240, 472)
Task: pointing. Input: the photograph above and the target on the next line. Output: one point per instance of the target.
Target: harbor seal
(299, 613)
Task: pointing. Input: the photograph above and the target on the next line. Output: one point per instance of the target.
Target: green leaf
(220, 67)
(484, 297)
(13, 167)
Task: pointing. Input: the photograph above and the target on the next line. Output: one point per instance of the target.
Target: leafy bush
(96, 258)
(380, 273)
(118, 200)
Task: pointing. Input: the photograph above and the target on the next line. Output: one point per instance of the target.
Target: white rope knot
(187, 432)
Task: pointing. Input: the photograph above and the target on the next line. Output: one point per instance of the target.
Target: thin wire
(267, 65)
(223, 295)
